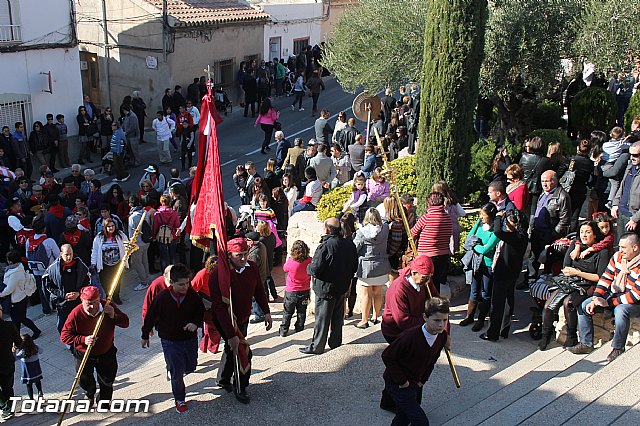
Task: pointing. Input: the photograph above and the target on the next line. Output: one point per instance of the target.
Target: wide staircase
(554, 387)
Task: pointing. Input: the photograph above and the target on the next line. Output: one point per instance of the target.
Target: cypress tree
(453, 52)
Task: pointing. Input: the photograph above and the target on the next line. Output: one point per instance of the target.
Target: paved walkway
(339, 387)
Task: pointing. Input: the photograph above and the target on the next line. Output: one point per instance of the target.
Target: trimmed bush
(548, 115)
(592, 109)
(632, 111)
(330, 204)
(406, 180)
(553, 135)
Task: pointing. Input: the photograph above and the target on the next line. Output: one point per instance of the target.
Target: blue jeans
(167, 254)
(408, 409)
(482, 284)
(300, 207)
(181, 357)
(622, 315)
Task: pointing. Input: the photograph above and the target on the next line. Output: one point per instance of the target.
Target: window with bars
(224, 73)
(14, 110)
(300, 44)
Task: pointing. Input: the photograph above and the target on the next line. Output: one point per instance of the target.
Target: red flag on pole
(210, 212)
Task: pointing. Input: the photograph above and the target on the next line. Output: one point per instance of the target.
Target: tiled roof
(192, 13)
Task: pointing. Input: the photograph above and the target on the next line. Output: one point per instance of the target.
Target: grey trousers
(135, 149)
(329, 317)
(140, 262)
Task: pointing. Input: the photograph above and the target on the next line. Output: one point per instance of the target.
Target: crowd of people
(65, 240)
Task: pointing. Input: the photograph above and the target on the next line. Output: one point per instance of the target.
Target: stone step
(630, 417)
(506, 388)
(608, 394)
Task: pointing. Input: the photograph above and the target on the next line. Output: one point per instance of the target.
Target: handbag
(29, 284)
(567, 179)
(277, 125)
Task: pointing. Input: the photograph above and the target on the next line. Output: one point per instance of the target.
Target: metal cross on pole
(209, 78)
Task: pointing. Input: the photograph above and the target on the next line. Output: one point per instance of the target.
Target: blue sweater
(117, 142)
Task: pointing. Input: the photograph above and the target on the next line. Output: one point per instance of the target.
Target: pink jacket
(297, 277)
(269, 118)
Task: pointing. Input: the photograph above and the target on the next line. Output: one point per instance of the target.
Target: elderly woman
(373, 264)
(433, 232)
(585, 273)
(108, 250)
(517, 190)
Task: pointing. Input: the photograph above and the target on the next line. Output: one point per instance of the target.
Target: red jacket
(404, 307)
(79, 325)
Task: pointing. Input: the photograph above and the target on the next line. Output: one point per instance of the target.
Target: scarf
(72, 238)
(619, 283)
(176, 296)
(513, 186)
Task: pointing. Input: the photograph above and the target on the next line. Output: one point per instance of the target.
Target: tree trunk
(515, 118)
(453, 52)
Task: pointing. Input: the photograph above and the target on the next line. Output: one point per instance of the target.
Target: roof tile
(191, 13)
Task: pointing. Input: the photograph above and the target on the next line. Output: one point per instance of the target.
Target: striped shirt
(632, 285)
(434, 230)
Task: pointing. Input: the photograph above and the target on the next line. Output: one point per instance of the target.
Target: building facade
(39, 61)
(149, 48)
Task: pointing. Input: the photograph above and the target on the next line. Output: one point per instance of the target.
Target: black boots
(572, 338)
(471, 311)
(483, 310)
(547, 336)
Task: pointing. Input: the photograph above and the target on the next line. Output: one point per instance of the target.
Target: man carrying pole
(78, 332)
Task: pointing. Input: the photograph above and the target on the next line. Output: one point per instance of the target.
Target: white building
(40, 62)
(294, 25)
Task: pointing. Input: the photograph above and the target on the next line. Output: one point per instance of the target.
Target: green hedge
(548, 115)
(330, 204)
(592, 109)
(406, 179)
(553, 135)
(632, 112)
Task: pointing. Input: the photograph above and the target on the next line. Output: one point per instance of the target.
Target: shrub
(548, 115)
(406, 179)
(632, 112)
(592, 109)
(330, 204)
(482, 153)
(466, 223)
(553, 135)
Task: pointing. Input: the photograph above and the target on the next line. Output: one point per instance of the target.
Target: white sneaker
(124, 179)
(301, 109)
(293, 108)
(140, 286)
(115, 180)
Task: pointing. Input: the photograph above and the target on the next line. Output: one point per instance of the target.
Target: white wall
(25, 77)
(21, 70)
(292, 21)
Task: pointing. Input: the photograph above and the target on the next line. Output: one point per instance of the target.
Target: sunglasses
(635, 155)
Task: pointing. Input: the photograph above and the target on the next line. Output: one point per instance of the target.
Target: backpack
(30, 284)
(37, 257)
(567, 179)
(165, 233)
(146, 234)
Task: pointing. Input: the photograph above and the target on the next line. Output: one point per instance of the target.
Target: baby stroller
(539, 289)
(289, 82)
(107, 163)
(245, 221)
(222, 102)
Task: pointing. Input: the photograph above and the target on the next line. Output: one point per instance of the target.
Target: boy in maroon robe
(409, 361)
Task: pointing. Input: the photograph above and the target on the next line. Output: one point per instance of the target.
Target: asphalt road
(240, 141)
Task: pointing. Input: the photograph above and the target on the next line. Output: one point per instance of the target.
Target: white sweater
(15, 280)
(163, 128)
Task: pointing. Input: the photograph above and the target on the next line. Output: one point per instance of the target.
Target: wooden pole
(390, 175)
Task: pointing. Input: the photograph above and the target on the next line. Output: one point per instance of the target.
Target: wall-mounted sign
(84, 66)
(152, 62)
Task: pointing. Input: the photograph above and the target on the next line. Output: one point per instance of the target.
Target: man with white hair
(282, 148)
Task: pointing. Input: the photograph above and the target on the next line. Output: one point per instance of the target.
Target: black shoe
(256, 320)
(361, 326)
(284, 333)
(484, 336)
(478, 325)
(349, 314)
(226, 386)
(389, 408)
(298, 330)
(504, 333)
(55, 171)
(242, 396)
(467, 321)
(308, 351)
(91, 398)
(262, 151)
(36, 334)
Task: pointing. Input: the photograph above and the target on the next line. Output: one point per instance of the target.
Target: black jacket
(583, 168)
(348, 137)
(533, 166)
(333, 265)
(9, 337)
(509, 262)
(54, 284)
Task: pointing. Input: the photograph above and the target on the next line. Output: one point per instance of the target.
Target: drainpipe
(106, 51)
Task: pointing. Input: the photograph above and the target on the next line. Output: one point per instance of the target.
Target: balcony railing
(10, 33)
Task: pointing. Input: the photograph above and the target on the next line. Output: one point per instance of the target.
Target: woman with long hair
(455, 210)
(270, 176)
(117, 204)
(501, 161)
(517, 189)
(373, 264)
(15, 280)
(108, 250)
(554, 153)
(85, 124)
(267, 117)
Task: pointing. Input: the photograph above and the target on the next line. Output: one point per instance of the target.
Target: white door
(274, 48)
